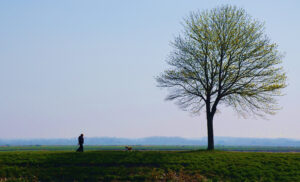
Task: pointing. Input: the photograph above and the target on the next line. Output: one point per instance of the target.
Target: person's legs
(81, 148)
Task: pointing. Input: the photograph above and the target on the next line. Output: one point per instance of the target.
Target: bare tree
(224, 57)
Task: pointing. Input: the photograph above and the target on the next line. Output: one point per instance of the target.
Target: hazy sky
(68, 67)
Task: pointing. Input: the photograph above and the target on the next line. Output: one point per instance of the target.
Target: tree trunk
(210, 131)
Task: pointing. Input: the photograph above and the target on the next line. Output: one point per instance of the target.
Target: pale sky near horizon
(71, 67)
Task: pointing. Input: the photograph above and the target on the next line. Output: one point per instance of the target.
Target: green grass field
(113, 165)
(149, 147)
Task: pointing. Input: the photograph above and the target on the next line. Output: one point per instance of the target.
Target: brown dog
(128, 148)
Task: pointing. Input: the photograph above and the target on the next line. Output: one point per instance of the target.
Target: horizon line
(131, 138)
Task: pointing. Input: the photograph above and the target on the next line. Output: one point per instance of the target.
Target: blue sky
(68, 67)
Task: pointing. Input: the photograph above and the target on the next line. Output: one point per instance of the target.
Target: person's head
(81, 134)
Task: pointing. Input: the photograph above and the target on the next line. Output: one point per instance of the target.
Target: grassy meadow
(149, 147)
(146, 165)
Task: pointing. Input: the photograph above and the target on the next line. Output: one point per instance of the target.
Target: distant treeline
(226, 141)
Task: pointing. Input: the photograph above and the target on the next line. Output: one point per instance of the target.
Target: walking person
(80, 143)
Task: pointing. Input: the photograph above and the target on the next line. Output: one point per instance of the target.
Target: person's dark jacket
(80, 140)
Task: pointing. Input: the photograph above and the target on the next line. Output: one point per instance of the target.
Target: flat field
(116, 165)
(98, 147)
(149, 148)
